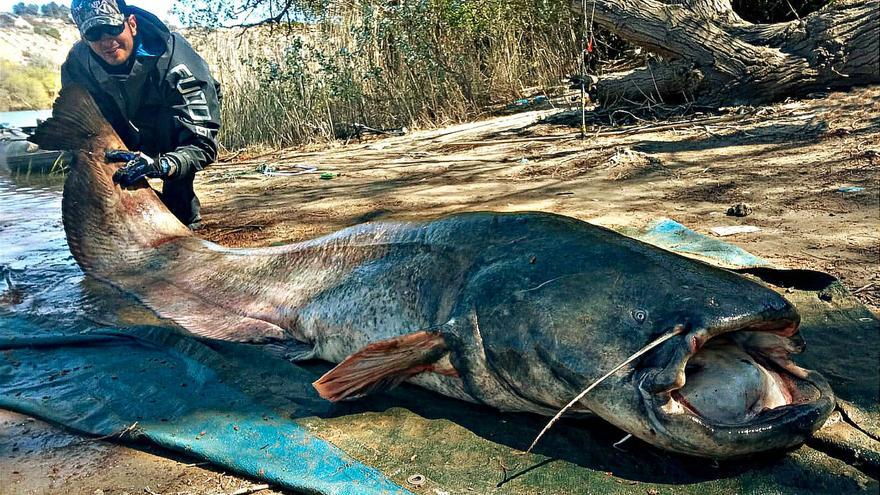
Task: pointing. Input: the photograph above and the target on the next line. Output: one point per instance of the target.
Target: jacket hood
(154, 34)
(149, 18)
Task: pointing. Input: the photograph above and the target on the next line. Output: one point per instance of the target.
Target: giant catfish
(519, 311)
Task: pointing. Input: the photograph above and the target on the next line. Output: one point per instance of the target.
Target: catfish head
(547, 319)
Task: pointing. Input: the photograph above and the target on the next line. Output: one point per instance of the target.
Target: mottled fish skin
(532, 306)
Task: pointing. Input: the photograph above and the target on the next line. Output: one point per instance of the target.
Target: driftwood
(708, 54)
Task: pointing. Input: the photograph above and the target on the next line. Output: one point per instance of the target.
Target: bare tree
(709, 54)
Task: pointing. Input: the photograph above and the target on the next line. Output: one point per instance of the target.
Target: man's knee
(180, 197)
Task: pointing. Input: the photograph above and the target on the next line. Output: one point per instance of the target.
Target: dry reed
(414, 64)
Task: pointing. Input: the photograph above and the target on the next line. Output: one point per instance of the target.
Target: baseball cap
(90, 13)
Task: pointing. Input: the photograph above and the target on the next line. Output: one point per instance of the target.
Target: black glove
(138, 166)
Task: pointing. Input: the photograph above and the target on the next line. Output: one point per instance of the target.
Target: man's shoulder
(183, 53)
(77, 51)
(76, 56)
(182, 46)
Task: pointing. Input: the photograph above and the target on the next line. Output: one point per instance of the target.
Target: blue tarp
(671, 235)
(152, 383)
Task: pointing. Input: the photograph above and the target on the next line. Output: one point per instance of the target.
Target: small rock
(739, 210)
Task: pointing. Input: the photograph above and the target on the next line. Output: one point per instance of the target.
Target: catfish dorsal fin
(381, 365)
(75, 123)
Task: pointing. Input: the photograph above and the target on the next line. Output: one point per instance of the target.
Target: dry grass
(412, 65)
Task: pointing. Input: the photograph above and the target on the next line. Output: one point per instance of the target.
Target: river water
(33, 251)
(46, 283)
(47, 286)
(26, 118)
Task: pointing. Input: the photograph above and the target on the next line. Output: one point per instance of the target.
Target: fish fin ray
(291, 350)
(75, 123)
(203, 319)
(382, 365)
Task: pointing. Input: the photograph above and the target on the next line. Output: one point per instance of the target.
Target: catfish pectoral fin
(382, 365)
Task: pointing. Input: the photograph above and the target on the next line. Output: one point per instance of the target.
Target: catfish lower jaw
(773, 429)
(735, 394)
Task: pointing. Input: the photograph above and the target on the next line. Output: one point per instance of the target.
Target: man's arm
(194, 99)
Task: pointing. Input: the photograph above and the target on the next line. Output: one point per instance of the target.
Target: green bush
(27, 87)
(48, 31)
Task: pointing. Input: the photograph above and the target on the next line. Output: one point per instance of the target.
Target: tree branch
(724, 63)
(276, 19)
(720, 11)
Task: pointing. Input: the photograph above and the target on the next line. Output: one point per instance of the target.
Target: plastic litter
(671, 235)
(733, 230)
(530, 101)
(272, 171)
(850, 189)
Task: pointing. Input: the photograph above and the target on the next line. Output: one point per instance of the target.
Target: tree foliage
(55, 10)
(52, 10)
(22, 8)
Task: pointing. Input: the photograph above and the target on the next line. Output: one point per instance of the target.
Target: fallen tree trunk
(709, 55)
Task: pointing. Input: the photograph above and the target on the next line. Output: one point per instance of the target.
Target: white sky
(159, 7)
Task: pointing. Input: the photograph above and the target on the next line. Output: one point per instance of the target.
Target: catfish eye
(639, 315)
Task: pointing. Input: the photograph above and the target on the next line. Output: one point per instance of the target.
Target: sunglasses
(98, 32)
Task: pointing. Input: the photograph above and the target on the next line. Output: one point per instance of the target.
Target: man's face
(115, 49)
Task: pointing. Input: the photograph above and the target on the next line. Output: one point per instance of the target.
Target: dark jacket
(168, 104)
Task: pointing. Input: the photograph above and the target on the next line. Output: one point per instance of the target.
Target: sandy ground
(788, 162)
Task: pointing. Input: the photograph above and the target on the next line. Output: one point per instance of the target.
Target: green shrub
(27, 87)
(48, 31)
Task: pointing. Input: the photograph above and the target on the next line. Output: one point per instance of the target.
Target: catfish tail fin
(76, 123)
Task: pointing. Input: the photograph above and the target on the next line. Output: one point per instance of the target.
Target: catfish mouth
(740, 389)
(727, 384)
